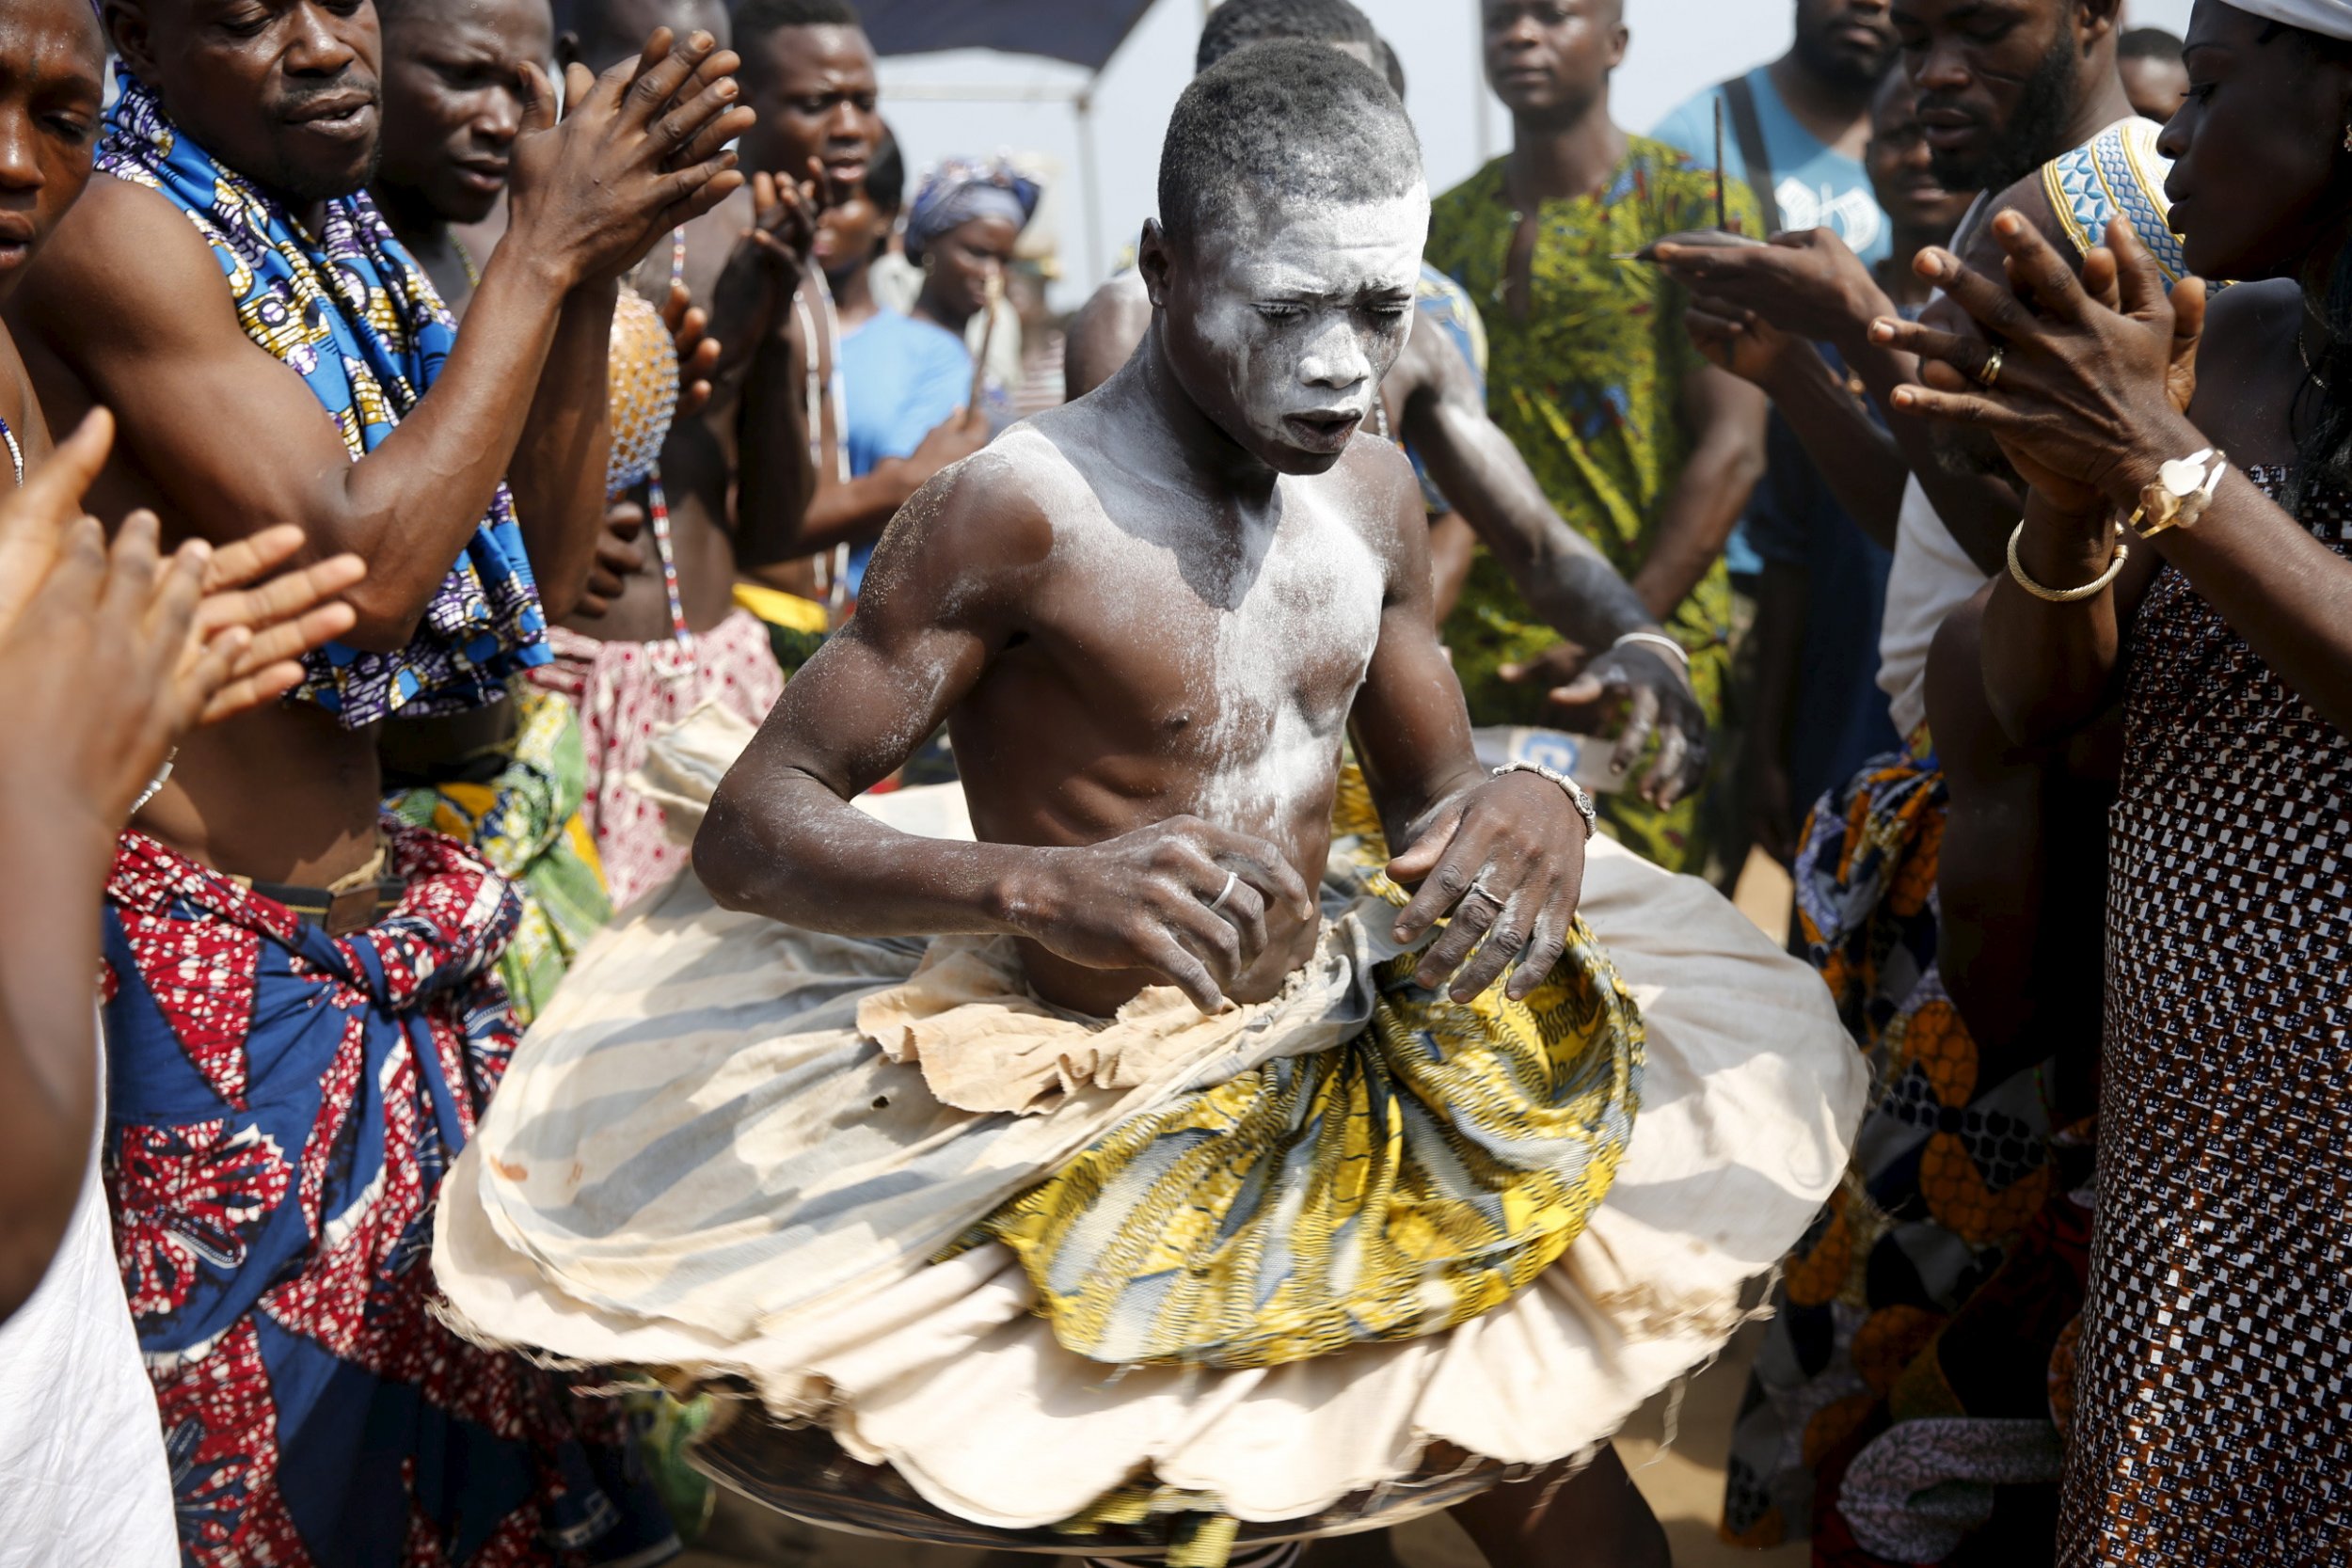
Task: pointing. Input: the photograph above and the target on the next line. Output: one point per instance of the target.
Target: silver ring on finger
(1484, 892)
(1232, 881)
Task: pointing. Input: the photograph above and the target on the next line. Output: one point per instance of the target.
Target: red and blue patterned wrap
(281, 1107)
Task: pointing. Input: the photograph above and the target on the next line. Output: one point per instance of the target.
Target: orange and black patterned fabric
(1899, 1411)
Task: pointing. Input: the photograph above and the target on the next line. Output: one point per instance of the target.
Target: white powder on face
(1284, 309)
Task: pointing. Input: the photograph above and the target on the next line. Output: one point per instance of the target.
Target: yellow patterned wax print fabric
(1587, 381)
(1390, 1187)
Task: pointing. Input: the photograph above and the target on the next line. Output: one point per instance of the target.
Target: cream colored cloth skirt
(702, 1071)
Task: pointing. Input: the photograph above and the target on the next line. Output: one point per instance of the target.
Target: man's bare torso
(1171, 656)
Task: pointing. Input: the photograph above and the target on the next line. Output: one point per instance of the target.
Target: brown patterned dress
(2215, 1417)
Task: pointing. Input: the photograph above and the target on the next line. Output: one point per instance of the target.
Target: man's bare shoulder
(1104, 334)
(977, 534)
(1379, 484)
(124, 268)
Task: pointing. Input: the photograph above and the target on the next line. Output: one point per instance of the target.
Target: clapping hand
(635, 153)
(2083, 381)
(112, 654)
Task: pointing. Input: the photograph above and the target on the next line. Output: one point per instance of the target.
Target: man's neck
(1837, 113)
(1204, 458)
(1904, 285)
(853, 295)
(1559, 158)
(2101, 107)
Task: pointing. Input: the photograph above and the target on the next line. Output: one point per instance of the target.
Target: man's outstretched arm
(130, 300)
(1567, 581)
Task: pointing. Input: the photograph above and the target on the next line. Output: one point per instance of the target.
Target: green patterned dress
(1589, 388)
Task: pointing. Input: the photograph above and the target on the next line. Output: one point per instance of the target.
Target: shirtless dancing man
(1268, 1151)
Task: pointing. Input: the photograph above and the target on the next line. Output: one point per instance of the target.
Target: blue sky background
(1679, 46)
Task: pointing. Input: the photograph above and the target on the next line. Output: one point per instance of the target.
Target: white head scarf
(2331, 18)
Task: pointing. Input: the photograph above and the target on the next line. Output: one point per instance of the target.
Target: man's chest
(1190, 650)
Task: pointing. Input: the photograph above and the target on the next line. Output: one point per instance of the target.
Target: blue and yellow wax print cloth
(1411, 1178)
(351, 312)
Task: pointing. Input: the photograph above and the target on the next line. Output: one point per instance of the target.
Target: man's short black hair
(886, 173)
(757, 19)
(1238, 24)
(2149, 43)
(1283, 123)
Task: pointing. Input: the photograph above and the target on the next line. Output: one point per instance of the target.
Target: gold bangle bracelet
(2064, 595)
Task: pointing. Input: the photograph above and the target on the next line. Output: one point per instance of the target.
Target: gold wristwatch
(2180, 494)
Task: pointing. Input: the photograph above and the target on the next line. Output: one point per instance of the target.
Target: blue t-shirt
(901, 379)
(1817, 186)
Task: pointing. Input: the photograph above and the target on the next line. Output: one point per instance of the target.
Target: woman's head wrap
(2328, 18)
(960, 190)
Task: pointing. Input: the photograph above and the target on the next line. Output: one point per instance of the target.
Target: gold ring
(1989, 375)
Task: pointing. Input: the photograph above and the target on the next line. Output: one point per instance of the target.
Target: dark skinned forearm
(778, 475)
(1979, 509)
(558, 472)
(49, 955)
(1706, 501)
(1567, 582)
(1863, 468)
(409, 507)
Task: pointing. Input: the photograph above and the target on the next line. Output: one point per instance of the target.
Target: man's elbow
(386, 622)
(1743, 465)
(719, 861)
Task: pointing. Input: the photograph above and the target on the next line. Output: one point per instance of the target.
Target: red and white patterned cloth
(629, 692)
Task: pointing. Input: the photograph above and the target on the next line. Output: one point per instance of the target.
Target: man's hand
(1634, 692)
(1738, 339)
(619, 557)
(1144, 901)
(284, 615)
(697, 351)
(1806, 283)
(1507, 859)
(1631, 693)
(638, 151)
(752, 299)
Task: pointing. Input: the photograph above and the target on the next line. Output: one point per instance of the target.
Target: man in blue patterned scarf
(303, 1015)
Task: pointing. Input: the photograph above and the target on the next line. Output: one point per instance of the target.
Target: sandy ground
(1675, 1447)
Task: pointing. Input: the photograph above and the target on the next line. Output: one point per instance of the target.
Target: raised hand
(33, 520)
(697, 350)
(1183, 899)
(1736, 339)
(284, 615)
(1507, 860)
(1806, 283)
(756, 286)
(638, 151)
(2085, 395)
